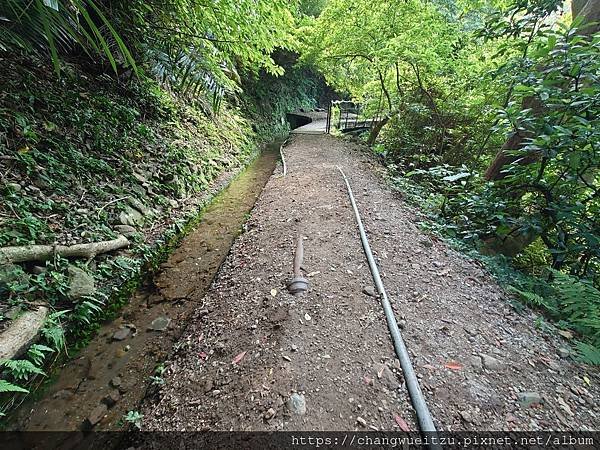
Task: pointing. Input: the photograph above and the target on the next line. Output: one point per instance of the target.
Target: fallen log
(22, 332)
(44, 252)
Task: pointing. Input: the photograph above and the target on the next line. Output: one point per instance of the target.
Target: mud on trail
(253, 357)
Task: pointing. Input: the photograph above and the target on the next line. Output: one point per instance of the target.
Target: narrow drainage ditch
(109, 377)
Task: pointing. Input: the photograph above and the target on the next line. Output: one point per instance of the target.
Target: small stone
(121, 334)
(297, 404)
(564, 352)
(471, 331)
(96, 415)
(475, 362)
(115, 382)
(527, 399)
(111, 399)
(141, 178)
(287, 358)
(370, 291)
(81, 283)
(294, 348)
(63, 394)
(387, 377)
(362, 422)
(402, 324)
(16, 187)
(160, 323)
(307, 317)
(131, 217)
(125, 230)
(220, 347)
(466, 416)
(270, 414)
(491, 363)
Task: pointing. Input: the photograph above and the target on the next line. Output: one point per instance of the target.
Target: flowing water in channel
(116, 371)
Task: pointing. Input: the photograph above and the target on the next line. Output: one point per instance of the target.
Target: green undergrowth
(123, 285)
(82, 157)
(572, 304)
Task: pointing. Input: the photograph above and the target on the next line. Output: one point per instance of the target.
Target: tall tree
(588, 13)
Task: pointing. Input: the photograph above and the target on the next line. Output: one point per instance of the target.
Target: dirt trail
(479, 362)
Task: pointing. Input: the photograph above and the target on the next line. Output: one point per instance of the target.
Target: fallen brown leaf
(238, 358)
(401, 423)
(452, 365)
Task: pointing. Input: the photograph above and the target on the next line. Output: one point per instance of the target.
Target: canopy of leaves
(188, 45)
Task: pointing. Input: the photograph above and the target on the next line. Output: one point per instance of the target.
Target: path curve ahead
(251, 345)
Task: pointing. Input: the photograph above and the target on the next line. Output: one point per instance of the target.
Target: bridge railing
(348, 116)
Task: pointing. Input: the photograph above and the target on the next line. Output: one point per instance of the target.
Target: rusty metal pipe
(299, 284)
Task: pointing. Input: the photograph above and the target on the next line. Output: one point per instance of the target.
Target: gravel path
(254, 357)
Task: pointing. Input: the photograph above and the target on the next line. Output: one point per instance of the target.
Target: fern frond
(21, 369)
(588, 354)
(55, 27)
(5, 386)
(533, 299)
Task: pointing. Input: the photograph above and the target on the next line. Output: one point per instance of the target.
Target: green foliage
(588, 354)
(551, 190)
(189, 47)
(20, 369)
(268, 98)
(412, 62)
(53, 331)
(134, 418)
(6, 387)
(579, 303)
(37, 353)
(574, 303)
(55, 26)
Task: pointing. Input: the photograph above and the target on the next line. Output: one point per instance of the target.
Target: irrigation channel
(115, 369)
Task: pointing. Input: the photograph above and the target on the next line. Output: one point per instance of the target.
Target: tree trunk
(515, 244)
(376, 130)
(590, 11)
(22, 332)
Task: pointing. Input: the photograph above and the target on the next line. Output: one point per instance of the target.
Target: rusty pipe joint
(299, 284)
